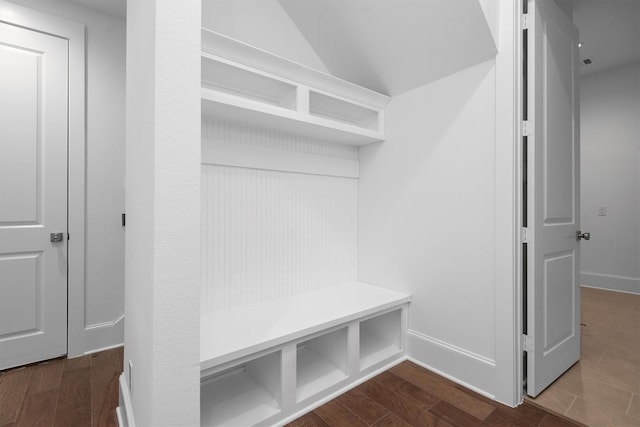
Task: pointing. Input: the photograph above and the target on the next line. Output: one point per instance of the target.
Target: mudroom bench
(266, 363)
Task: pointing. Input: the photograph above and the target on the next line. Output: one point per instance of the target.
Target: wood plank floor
(408, 395)
(603, 389)
(84, 392)
(62, 392)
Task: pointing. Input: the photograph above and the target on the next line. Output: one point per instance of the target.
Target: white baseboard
(468, 369)
(104, 336)
(125, 410)
(610, 281)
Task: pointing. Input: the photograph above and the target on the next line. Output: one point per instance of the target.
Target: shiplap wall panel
(268, 234)
(216, 130)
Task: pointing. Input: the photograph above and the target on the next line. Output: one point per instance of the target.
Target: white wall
(426, 209)
(436, 218)
(162, 301)
(263, 24)
(104, 250)
(610, 177)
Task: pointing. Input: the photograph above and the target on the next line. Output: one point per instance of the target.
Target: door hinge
(525, 21)
(527, 235)
(527, 343)
(527, 127)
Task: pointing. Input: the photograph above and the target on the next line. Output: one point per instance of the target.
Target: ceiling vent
(587, 61)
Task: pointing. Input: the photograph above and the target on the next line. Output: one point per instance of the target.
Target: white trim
(451, 378)
(518, 389)
(75, 34)
(246, 156)
(98, 350)
(506, 384)
(463, 367)
(102, 336)
(125, 410)
(450, 347)
(610, 282)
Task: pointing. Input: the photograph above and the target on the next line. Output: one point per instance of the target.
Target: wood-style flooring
(408, 395)
(603, 389)
(62, 392)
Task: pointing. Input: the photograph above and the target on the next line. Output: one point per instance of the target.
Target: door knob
(581, 235)
(56, 237)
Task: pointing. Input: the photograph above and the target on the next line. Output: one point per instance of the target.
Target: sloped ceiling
(393, 46)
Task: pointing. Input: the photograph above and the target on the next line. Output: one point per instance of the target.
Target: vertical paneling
(216, 130)
(268, 234)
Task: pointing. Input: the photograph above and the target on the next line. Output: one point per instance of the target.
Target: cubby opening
(245, 394)
(321, 363)
(329, 107)
(234, 80)
(380, 338)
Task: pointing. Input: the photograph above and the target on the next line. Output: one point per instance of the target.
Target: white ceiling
(393, 46)
(117, 8)
(609, 32)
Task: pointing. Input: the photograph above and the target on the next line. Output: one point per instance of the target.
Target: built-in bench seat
(267, 362)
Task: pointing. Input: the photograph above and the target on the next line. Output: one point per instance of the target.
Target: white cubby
(380, 338)
(321, 363)
(234, 79)
(307, 332)
(333, 108)
(241, 83)
(245, 394)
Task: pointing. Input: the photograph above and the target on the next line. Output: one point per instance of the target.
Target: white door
(33, 195)
(553, 293)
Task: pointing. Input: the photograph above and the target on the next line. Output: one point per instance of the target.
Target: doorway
(602, 388)
(43, 193)
(33, 195)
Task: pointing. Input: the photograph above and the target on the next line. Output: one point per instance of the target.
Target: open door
(34, 76)
(553, 196)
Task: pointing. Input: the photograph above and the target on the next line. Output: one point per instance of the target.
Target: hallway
(603, 389)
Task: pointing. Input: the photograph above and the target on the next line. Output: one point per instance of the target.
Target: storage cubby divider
(245, 84)
(380, 338)
(321, 362)
(333, 108)
(246, 394)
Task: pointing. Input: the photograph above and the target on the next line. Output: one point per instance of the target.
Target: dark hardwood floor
(84, 392)
(408, 395)
(62, 392)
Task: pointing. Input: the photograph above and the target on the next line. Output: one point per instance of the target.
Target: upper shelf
(243, 83)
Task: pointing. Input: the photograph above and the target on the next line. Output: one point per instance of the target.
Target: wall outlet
(130, 377)
(602, 211)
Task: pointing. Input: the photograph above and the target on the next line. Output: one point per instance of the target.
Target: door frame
(519, 107)
(74, 33)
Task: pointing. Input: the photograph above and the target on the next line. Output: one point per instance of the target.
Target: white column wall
(162, 300)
